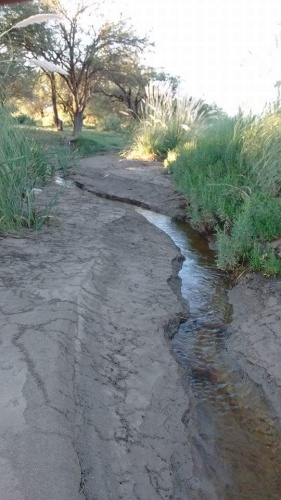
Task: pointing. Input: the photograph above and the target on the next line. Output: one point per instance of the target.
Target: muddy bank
(255, 341)
(92, 404)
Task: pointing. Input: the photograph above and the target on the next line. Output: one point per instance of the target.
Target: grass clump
(231, 176)
(23, 168)
(262, 148)
(24, 119)
(166, 122)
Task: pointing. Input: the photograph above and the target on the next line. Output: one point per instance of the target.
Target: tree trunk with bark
(77, 123)
(54, 101)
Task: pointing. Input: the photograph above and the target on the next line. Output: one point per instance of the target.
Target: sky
(223, 50)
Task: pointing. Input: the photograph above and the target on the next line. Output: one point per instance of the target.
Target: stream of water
(239, 435)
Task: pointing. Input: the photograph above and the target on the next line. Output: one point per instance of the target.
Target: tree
(162, 76)
(84, 51)
(125, 81)
(16, 81)
(87, 54)
(17, 43)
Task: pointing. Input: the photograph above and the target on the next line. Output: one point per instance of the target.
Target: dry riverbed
(92, 402)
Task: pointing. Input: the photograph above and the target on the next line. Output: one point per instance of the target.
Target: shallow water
(239, 435)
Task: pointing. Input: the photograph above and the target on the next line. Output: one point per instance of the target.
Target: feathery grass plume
(166, 121)
(47, 66)
(37, 19)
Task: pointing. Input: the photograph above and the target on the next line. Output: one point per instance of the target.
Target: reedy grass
(231, 176)
(166, 122)
(262, 148)
(23, 162)
(23, 167)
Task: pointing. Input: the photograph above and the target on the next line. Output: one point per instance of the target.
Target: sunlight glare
(223, 50)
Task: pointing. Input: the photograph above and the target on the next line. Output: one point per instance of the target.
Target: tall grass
(166, 121)
(231, 174)
(262, 148)
(23, 167)
(23, 163)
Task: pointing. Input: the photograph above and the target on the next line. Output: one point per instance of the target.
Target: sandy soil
(92, 404)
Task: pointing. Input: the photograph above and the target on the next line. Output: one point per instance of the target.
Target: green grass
(231, 176)
(60, 156)
(30, 157)
(23, 167)
(89, 143)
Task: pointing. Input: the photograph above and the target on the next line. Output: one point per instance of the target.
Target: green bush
(110, 123)
(24, 119)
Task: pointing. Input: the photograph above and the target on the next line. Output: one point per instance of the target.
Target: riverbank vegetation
(166, 121)
(30, 157)
(25, 167)
(229, 168)
(231, 175)
(50, 73)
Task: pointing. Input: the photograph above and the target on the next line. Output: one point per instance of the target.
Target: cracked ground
(91, 398)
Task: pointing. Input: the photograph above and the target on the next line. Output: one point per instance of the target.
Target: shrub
(24, 119)
(110, 123)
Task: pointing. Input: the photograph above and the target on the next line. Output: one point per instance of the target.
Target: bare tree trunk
(77, 123)
(54, 101)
